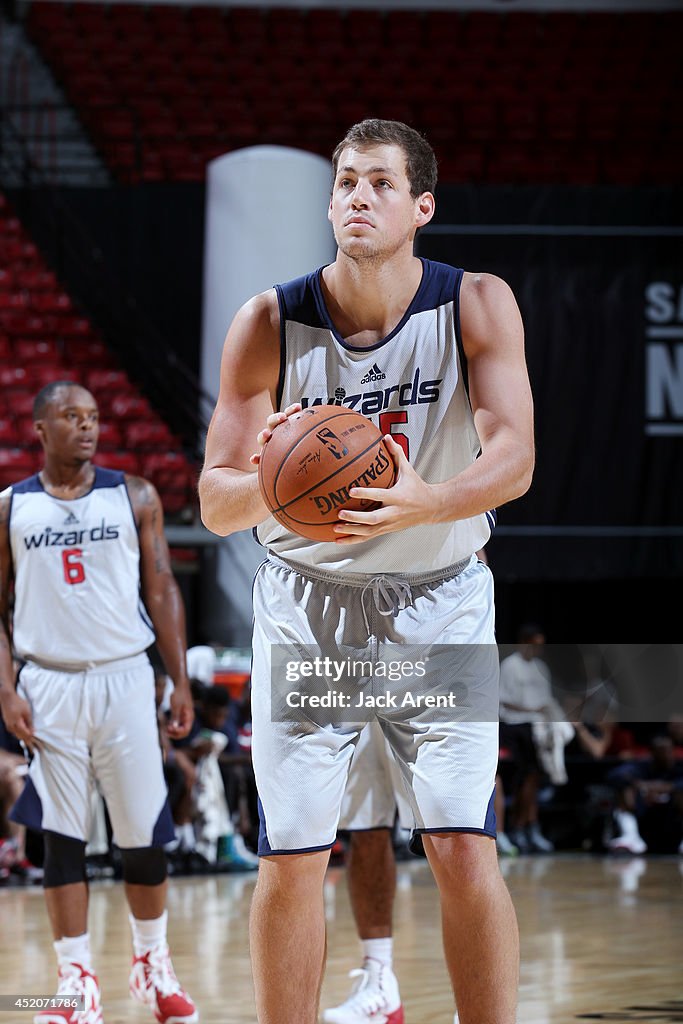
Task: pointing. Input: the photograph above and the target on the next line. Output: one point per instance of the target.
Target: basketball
(312, 461)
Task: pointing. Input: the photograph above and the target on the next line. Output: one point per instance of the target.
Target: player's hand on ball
(408, 503)
(271, 423)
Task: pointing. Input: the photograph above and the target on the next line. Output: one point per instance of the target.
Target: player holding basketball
(405, 573)
(84, 545)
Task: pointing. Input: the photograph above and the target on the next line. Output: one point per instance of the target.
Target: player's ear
(39, 428)
(329, 210)
(424, 209)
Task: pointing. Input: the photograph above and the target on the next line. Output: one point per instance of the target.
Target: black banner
(598, 276)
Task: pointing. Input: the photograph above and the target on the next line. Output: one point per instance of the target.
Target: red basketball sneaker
(153, 982)
(74, 980)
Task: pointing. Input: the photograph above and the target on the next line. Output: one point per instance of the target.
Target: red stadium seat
(28, 350)
(148, 434)
(107, 380)
(110, 435)
(15, 465)
(9, 434)
(127, 462)
(131, 406)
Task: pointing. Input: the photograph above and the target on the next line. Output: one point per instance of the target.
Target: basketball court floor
(602, 939)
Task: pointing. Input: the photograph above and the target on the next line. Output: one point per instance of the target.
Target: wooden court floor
(602, 939)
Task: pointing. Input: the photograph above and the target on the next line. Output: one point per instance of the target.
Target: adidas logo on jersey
(71, 518)
(374, 374)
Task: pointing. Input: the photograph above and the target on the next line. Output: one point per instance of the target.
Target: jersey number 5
(386, 422)
(73, 567)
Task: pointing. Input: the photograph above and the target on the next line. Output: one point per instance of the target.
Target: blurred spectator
(220, 759)
(534, 732)
(201, 663)
(179, 771)
(649, 802)
(13, 858)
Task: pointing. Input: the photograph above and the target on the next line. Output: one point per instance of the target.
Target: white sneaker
(505, 846)
(84, 988)
(629, 837)
(234, 854)
(374, 999)
(538, 841)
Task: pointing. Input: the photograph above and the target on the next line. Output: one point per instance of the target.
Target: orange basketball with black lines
(311, 462)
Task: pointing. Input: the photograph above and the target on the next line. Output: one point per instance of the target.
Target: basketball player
(93, 585)
(405, 573)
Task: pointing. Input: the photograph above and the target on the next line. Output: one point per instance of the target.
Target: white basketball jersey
(77, 575)
(410, 385)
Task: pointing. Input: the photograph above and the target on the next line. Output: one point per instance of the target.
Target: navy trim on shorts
(489, 828)
(163, 831)
(265, 849)
(28, 809)
(471, 829)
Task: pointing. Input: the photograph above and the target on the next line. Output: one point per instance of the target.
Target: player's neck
(367, 299)
(67, 480)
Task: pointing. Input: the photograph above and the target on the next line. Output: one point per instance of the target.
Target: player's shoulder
(5, 505)
(488, 311)
(259, 315)
(480, 289)
(140, 489)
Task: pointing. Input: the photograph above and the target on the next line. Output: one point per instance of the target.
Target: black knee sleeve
(64, 861)
(144, 865)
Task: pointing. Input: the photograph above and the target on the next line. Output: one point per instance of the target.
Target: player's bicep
(493, 337)
(155, 560)
(250, 368)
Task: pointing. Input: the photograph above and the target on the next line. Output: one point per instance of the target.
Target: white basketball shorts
(376, 790)
(447, 761)
(96, 728)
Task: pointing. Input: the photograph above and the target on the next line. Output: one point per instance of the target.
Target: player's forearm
(499, 475)
(230, 500)
(7, 679)
(167, 613)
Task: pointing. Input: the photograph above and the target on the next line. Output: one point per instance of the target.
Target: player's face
(371, 209)
(70, 426)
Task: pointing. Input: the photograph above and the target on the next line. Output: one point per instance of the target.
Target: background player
(378, 303)
(373, 795)
(83, 545)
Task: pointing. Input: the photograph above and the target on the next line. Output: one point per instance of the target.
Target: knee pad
(64, 860)
(144, 865)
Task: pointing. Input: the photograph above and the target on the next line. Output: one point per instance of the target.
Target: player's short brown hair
(421, 166)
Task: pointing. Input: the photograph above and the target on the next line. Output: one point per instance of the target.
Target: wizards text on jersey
(368, 403)
(50, 538)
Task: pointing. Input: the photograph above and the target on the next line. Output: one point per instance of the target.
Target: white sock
(74, 949)
(148, 934)
(379, 949)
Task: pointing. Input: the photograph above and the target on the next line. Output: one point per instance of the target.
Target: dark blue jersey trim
(103, 478)
(108, 478)
(29, 485)
(458, 338)
(282, 306)
(302, 301)
(298, 301)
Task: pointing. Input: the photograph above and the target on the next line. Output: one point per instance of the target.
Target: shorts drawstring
(390, 595)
